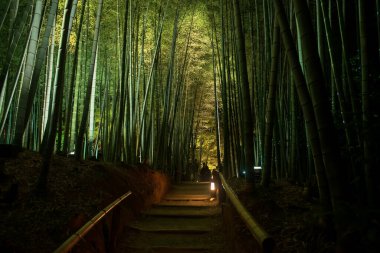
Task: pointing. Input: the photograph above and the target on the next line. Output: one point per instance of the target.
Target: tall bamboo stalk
(82, 129)
(47, 150)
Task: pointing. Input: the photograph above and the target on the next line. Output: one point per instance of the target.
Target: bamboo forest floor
(288, 214)
(77, 191)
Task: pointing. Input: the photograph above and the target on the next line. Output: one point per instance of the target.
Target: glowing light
(212, 186)
(257, 168)
(244, 172)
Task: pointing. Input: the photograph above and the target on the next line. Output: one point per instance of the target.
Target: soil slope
(77, 191)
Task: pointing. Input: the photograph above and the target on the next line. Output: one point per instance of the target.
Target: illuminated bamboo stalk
(27, 75)
(48, 148)
(71, 97)
(82, 129)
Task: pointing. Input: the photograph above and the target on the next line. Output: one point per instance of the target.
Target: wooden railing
(80, 234)
(264, 240)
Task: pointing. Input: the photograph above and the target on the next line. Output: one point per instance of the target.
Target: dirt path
(186, 220)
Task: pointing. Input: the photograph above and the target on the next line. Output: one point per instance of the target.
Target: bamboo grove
(300, 96)
(291, 86)
(101, 79)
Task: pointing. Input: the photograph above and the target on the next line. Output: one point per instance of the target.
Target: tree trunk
(13, 45)
(47, 151)
(28, 72)
(305, 102)
(335, 169)
(364, 62)
(83, 125)
(244, 83)
(216, 102)
(40, 59)
(69, 111)
(270, 107)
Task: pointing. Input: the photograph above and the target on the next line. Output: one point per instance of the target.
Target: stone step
(191, 184)
(186, 220)
(167, 250)
(183, 211)
(162, 242)
(207, 202)
(162, 224)
(186, 196)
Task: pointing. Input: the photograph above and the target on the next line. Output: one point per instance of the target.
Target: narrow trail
(186, 220)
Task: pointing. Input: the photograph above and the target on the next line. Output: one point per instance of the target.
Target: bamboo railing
(79, 235)
(265, 241)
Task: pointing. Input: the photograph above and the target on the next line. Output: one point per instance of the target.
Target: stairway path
(186, 220)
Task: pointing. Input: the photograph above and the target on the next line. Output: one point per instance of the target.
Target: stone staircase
(186, 220)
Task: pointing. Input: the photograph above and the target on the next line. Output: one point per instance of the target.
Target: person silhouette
(205, 173)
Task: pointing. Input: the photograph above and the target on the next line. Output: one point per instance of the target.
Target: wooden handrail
(265, 241)
(74, 239)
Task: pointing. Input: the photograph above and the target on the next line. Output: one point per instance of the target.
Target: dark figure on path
(194, 170)
(205, 174)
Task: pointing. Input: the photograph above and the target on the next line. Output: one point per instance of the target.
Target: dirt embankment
(78, 190)
(290, 217)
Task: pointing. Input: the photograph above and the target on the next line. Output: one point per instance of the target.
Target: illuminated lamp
(212, 186)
